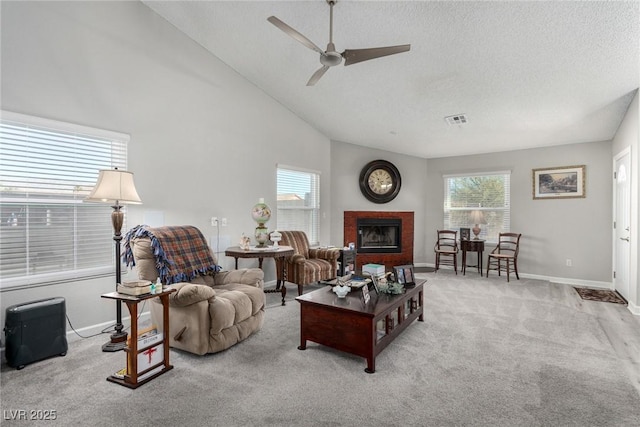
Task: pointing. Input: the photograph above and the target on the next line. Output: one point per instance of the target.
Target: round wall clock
(380, 181)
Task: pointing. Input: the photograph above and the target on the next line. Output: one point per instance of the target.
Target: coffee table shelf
(349, 325)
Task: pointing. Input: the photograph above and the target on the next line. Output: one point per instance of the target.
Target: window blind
(299, 201)
(487, 192)
(47, 168)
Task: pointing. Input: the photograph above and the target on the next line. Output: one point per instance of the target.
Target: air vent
(458, 119)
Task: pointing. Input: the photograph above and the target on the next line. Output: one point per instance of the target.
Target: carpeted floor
(489, 353)
(603, 295)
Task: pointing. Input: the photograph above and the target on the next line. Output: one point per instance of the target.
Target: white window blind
(488, 193)
(47, 168)
(299, 201)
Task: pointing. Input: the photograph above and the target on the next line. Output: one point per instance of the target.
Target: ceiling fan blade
(294, 33)
(316, 76)
(353, 56)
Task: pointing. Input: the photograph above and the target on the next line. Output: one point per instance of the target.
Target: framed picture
(365, 294)
(465, 233)
(374, 284)
(404, 274)
(559, 182)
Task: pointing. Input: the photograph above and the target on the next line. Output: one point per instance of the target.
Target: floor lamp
(116, 187)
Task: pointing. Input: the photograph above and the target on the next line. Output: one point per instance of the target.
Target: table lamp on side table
(477, 217)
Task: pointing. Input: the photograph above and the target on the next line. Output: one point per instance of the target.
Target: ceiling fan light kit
(330, 58)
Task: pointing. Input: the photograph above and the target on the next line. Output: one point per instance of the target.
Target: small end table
(270, 252)
(133, 378)
(472, 245)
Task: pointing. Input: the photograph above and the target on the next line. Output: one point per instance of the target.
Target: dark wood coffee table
(348, 325)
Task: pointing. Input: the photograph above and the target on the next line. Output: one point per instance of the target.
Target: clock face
(380, 181)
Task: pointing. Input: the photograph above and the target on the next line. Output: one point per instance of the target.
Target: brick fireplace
(391, 246)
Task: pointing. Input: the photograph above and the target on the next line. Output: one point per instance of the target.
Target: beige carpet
(489, 353)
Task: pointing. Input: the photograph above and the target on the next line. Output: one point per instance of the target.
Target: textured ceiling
(526, 74)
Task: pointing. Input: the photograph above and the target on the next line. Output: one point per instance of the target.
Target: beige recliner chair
(211, 310)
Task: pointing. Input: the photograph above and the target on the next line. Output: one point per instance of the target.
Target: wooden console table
(131, 379)
(261, 254)
(471, 245)
(349, 325)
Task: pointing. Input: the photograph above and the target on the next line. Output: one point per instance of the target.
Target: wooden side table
(261, 254)
(132, 378)
(472, 245)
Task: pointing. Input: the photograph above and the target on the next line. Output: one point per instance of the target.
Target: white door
(622, 218)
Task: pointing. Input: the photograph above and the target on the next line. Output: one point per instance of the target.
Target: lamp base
(118, 342)
(476, 231)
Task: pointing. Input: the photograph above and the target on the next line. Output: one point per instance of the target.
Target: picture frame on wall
(563, 182)
(465, 233)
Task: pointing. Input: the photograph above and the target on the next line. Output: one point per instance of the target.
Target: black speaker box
(34, 331)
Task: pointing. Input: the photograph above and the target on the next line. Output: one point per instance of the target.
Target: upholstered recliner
(307, 265)
(211, 310)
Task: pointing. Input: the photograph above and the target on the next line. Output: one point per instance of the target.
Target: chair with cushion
(504, 257)
(446, 249)
(211, 310)
(307, 265)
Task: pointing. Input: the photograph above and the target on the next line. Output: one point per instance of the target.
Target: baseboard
(571, 281)
(633, 308)
(564, 280)
(98, 328)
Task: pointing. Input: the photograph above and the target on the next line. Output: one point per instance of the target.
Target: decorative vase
(275, 237)
(261, 213)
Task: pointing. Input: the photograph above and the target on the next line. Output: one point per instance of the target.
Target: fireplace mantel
(388, 259)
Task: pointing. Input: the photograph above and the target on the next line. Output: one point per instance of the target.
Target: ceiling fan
(330, 57)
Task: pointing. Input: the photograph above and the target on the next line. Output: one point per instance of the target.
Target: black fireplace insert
(379, 235)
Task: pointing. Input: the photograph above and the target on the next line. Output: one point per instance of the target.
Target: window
(47, 168)
(485, 192)
(299, 201)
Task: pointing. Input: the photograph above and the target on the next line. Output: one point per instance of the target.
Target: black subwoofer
(34, 331)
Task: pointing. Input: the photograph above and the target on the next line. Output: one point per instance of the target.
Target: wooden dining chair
(504, 257)
(446, 249)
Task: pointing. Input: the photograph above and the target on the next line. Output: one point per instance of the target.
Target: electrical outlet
(569, 263)
(224, 222)
(214, 221)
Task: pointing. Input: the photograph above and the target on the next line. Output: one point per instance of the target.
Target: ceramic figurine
(341, 291)
(244, 242)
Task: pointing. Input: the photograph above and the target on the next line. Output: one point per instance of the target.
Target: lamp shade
(115, 186)
(477, 217)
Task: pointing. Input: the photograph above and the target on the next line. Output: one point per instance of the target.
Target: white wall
(204, 142)
(552, 230)
(347, 160)
(628, 136)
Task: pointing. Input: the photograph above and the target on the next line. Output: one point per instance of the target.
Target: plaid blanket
(181, 252)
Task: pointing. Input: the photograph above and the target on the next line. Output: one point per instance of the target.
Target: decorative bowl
(341, 291)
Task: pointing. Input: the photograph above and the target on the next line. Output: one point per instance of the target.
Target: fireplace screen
(379, 235)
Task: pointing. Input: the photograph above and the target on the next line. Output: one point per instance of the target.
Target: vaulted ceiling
(524, 74)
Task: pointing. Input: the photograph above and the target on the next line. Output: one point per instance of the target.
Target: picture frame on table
(404, 275)
(366, 296)
(465, 234)
(374, 284)
(562, 182)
